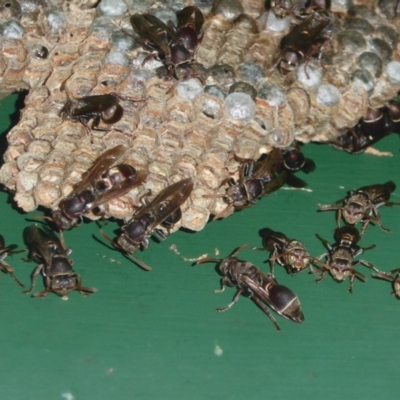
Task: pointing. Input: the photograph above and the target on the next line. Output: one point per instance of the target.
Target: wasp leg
(235, 299)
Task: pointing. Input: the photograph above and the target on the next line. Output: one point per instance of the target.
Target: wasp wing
(185, 18)
(105, 161)
(265, 168)
(166, 202)
(302, 36)
(257, 290)
(90, 105)
(149, 27)
(118, 190)
(43, 243)
(276, 183)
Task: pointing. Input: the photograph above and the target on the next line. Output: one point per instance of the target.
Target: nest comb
(59, 50)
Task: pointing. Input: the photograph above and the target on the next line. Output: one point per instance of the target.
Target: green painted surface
(154, 335)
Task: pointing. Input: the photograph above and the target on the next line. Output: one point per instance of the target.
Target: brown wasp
(103, 181)
(46, 249)
(164, 211)
(393, 276)
(369, 130)
(99, 108)
(4, 252)
(289, 253)
(340, 257)
(174, 46)
(362, 205)
(256, 179)
(262, 288)
(301, 43)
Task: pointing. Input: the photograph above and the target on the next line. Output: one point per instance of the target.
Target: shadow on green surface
(12, 107)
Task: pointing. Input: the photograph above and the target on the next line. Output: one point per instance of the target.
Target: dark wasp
(256, 179)
(262, 177)
(362, 205)
(104, 181)
(4, 252)
(289, 253)
(340, 256)
(104, 108)
(369, 130)
(175, 46)
(262, 288)
(49, 252)
(301, 43)
(164, 211)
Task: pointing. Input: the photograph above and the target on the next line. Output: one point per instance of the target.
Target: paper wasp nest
(71, 49)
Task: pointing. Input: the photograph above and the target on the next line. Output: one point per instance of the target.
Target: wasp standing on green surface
(47, 250)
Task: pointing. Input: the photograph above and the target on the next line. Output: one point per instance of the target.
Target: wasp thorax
(136, 231)
(61, 220)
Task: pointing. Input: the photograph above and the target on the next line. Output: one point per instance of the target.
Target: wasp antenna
(43, 217)
(238, 250)
(207, 259)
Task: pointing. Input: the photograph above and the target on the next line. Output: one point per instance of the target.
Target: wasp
(50, 253)
(104, 108)
(289, 253)
(175, 46)
(262, 288)
(154, 217)
(340, 257)
(362, 205)
(301, 43)
(256, 179)
(394, 277)
(104, 181)
(4, 252)
(369, 130)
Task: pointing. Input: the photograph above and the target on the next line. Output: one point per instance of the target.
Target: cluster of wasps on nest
(109, 178)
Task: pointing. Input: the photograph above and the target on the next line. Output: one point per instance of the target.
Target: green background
(153, 335)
